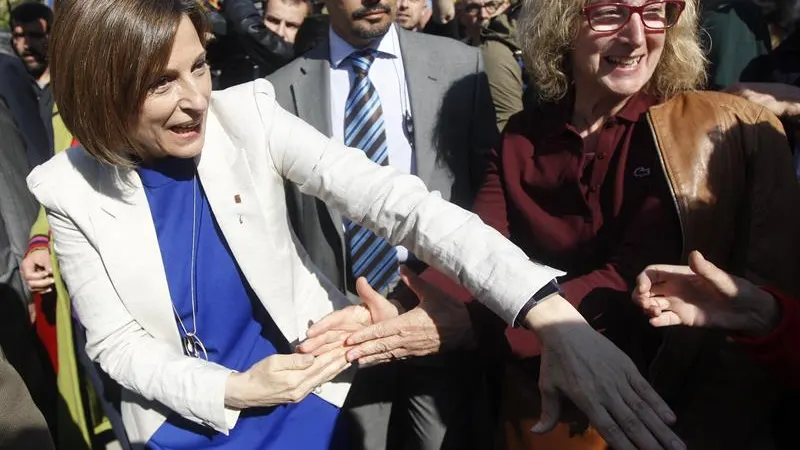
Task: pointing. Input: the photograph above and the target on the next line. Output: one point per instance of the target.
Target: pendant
(194, 346)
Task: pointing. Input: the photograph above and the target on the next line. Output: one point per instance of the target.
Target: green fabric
(74, 388)
(500, 49)
(736, 34)
(40, 227)
(62, 138)
(503, 28)
(505, 80)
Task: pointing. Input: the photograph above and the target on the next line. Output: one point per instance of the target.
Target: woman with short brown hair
(114, 67)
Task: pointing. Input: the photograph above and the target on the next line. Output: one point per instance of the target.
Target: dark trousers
(25, 353)
(433, 402)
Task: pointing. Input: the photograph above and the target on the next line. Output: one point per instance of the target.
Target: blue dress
(232, 323)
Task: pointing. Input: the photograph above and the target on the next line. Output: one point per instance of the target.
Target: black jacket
(246, 49)
(16, 89)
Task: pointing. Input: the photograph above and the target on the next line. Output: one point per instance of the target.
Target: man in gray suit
(435, 119)
(18, 209)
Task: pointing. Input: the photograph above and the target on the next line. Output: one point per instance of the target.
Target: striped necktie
(370, 256)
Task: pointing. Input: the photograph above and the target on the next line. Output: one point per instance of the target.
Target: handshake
(577, 362)
(376, 331)
(380, 330)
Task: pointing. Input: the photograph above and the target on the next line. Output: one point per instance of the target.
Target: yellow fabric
(72, 412)
(62, 138)
(40, 227)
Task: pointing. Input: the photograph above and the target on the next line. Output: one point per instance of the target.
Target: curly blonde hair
(547, 31)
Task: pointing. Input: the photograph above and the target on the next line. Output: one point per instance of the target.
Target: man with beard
(420, 104)
(18, 94)
(30, 33)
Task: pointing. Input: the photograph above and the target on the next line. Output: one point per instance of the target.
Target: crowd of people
(400, 224)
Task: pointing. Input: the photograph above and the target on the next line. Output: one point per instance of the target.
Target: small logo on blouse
(641, 172)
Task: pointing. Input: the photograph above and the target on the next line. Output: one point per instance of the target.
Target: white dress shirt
(389, 78)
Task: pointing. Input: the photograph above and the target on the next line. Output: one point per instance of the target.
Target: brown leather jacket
(730, 170)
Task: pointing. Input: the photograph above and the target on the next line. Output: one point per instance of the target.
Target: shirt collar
(387, 46)
(557, 115)
(636, 106)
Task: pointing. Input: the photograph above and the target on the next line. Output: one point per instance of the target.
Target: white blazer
(108, 251)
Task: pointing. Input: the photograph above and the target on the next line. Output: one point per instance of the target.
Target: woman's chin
(186, 149)
(624, 88)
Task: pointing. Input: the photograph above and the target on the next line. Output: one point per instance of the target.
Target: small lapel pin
(237, 198)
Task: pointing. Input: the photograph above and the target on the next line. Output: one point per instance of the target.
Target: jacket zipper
(669, 183)
(654, 375)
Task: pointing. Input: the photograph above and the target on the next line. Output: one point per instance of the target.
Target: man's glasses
(610, 17)
(490, 6)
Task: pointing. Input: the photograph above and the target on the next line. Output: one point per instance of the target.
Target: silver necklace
(192, 344)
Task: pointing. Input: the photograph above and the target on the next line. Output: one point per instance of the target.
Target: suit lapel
(311, 90)
(422, 77)
(128, 245)
(231, 191)
(312, 93)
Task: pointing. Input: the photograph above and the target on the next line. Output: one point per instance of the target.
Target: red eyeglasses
(610, 17)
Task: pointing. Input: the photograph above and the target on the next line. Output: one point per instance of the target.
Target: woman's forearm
(400, 209)
(550, 313)
(777, 347)
(236, 392)
(760, 313)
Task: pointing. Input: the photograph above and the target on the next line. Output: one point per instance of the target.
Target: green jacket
(502, 57)
(735, 34)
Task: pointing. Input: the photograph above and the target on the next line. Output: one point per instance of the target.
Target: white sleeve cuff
(231, 417)
(216, 414)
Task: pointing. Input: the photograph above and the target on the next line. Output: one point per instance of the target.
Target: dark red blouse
(601, 214)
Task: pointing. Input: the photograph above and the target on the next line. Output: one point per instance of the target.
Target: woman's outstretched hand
(703, 295)
(599, 378)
